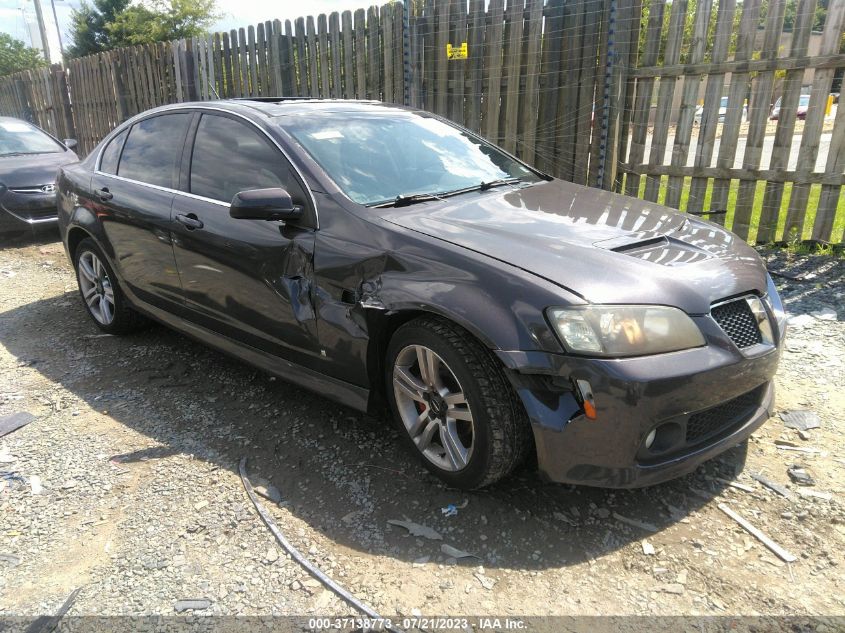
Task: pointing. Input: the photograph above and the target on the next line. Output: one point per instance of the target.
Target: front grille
(738, 322)
(711, 421)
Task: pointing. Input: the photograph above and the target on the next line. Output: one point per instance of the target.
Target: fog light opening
(649, 439)
(585, 391)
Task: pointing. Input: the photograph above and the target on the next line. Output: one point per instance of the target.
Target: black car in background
(378, 254)
(29, 161)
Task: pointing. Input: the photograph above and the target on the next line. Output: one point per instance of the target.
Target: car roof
(280, 106)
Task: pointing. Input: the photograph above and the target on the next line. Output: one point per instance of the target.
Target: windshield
(375, 157)
(19, 137)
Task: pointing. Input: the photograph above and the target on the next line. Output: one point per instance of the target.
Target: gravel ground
(137, 439)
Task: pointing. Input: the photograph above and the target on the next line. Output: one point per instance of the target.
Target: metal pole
(406, 50)
(605, 117)
(42, 28)
(58, 28)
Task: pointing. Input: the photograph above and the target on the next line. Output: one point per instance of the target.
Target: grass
(757, 208)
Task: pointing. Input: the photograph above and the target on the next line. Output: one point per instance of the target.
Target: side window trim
(156, 115)
(119, 154)
(271, 144)
(180, 108)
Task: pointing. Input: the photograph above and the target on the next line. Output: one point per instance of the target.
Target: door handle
(190, 220)
(104, 194)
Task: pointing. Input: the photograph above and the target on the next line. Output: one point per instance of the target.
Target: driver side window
(230, 156)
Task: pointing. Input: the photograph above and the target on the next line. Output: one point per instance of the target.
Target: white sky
(17, 17)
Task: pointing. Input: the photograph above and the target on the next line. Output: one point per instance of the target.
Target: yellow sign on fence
(457, 52)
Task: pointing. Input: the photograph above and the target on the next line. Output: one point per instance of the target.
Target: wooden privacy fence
(561, 83)
(769, 176)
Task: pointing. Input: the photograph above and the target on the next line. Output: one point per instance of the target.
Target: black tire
(502, 436)
(125, 319)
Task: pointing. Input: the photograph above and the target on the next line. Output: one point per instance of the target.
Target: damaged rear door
(249, 280)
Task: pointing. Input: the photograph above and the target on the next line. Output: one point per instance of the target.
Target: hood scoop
(655, 248)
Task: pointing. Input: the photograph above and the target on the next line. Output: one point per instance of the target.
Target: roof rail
(271, 99)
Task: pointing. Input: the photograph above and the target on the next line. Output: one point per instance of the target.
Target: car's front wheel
(98, 287)
(454, 405)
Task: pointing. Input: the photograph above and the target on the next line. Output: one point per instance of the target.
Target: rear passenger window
(108, 162)
(230, 156)
(153, 151)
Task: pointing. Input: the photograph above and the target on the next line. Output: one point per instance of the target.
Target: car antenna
(210, 85)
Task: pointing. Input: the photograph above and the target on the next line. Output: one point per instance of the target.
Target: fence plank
(373, 54)
(712, 100)
(475, 65)
(530, 96)
(387, 50)
(689, 96)
(758, 113)
(782, 146)
(512, 72)
(336, 58)
(301, 59)
(360, 54)
(348, 91)
(736, 98)
(566, 121)
(665, 93)
(831, 193)
(493, 64)
(642, 102)
(586, 89)
(813, 123)
(550, 72)
(323, 54)
(261, 87)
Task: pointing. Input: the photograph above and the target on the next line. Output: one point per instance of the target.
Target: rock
(799, 475)
(272, 555)
(270, 492)
(192, 604)
(800, 320)
(70, 483)
(648, 548)
(826, 313)
(486, 582)
(602, 513)
(671, 587)
(10, 559)
(800, 419)
(199, 506)
(35, 485)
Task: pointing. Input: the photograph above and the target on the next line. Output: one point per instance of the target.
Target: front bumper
(675, 393)
(27, 211)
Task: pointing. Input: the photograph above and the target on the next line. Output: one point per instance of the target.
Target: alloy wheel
(433, 407)
(96, 287)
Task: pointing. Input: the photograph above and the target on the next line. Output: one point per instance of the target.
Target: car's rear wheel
(454, 405)
(98, 287)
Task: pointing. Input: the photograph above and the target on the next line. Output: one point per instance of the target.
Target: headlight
(624, 330)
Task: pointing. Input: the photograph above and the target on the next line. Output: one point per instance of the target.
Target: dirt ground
(126, 485)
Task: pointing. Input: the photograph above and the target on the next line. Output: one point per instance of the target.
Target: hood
(33, 170)
(603, 246)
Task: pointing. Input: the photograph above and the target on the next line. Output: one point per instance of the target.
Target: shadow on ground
(343, 473)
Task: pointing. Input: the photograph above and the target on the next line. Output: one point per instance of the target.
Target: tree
(16, 56)
(111, 24)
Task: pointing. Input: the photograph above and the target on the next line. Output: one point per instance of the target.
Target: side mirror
(70, 143)
(264, 204)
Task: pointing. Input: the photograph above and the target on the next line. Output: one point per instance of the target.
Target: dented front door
(248, 280)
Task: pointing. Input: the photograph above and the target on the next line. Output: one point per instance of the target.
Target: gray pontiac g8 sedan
(381, 255)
